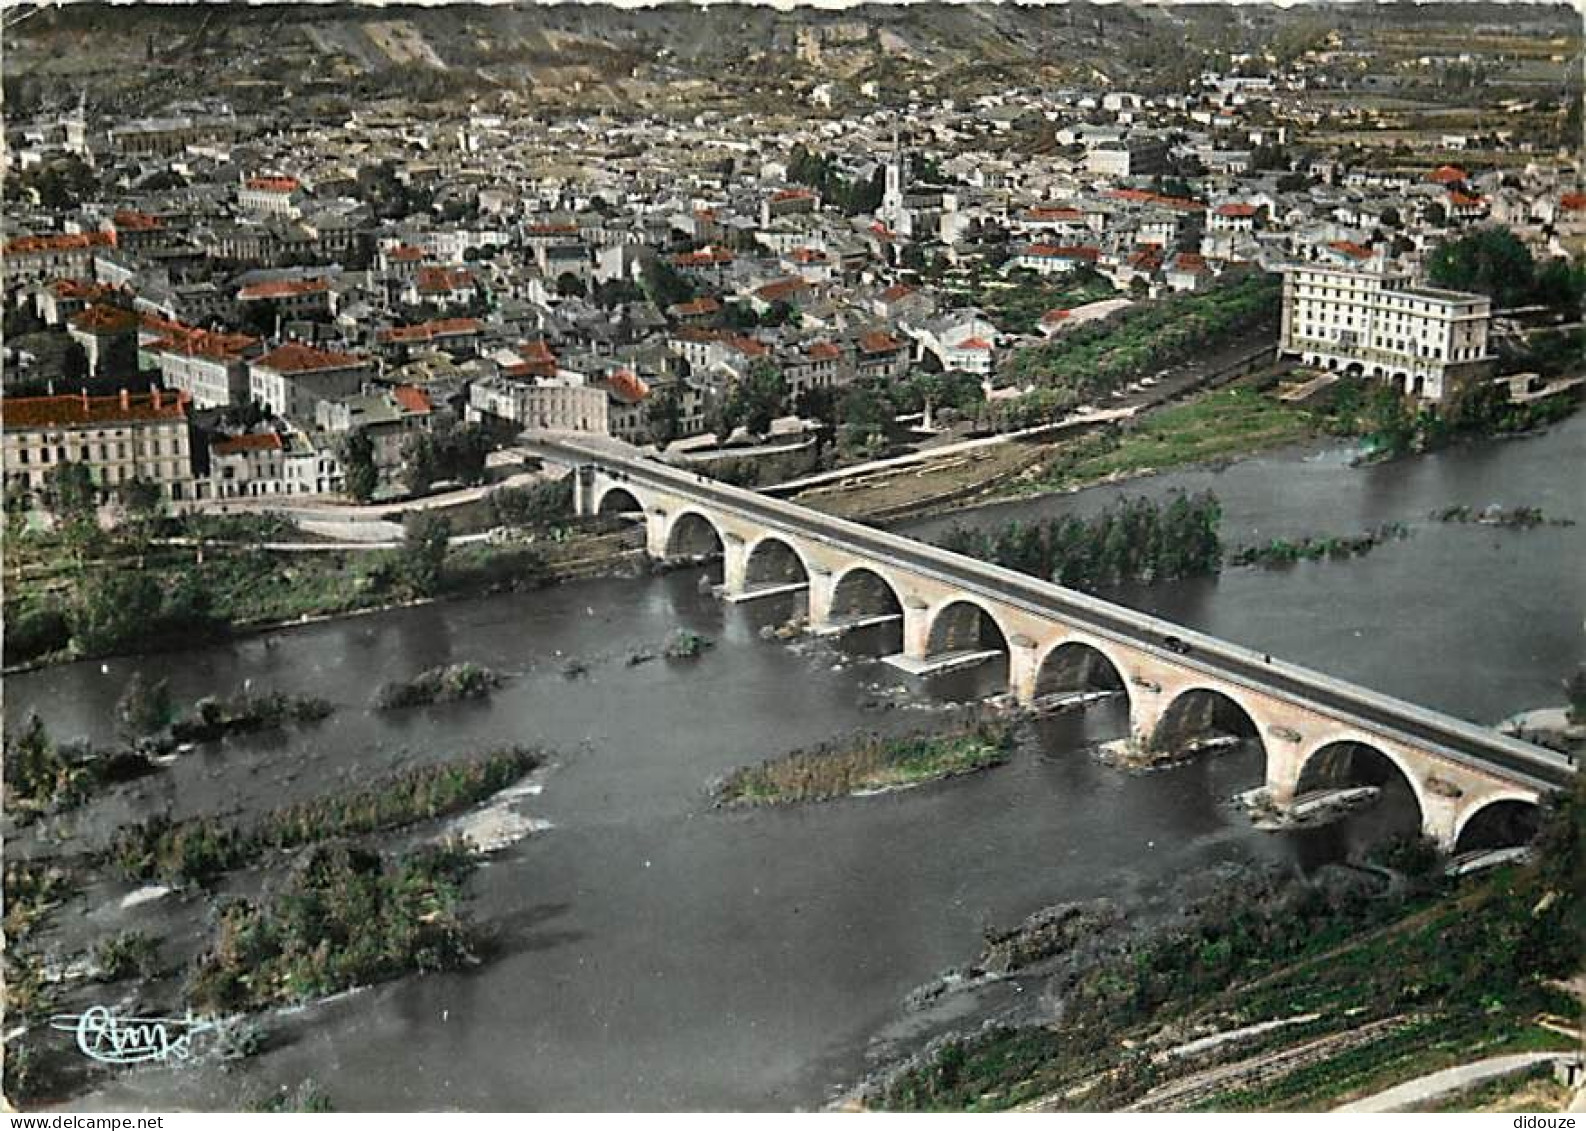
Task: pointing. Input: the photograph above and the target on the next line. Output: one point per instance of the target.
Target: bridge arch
(615, 498)
(1198, 713)
(861, 591)
(773, 560)
(962, 624)
(1350, 760)
(1505, 820)
(693, 535)
(1076, 664)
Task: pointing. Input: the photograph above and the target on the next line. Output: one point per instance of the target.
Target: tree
(74, 361)
(663, 416)
(115, 610)
(663, 284)
(762, 395)
(69, 492)
(141, 505)
(419, 463)
(425, 541)
(33, 766)
(144, 708)
(259, 317)
(1490, 260)
(360, 476)
(569, 285)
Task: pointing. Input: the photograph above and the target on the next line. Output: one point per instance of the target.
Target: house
(109, 336)
(210, 368)
(290, 298)
(293, 378)
(1053, 259)
(247, 466)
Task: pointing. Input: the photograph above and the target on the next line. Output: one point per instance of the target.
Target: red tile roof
(1142, 196)
(875, 341)
(781, 290)
(250, 442)
(65, 241)
(1446, 175)
(897, 291)
(428, 331)
(1573, 202)
(1460, 200)
(1351, 249)
(974, 344)
(792, 194)
(443, 280)
(23, 413)
(1237, 211)
(81, 288)
(1054, 251)
(1040, 212)
(275, 184)
(295, 357)
(283, 288)
(1054, 316)
(203, 343)
(822, 351)
(627, 386)
(405, 253)
(699, 306)
(412, 399)
(127, 220)
(706, 257)
(101, 319)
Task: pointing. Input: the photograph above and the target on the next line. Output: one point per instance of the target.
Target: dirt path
(1455, 1079)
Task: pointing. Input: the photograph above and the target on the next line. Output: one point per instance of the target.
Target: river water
(652, 952)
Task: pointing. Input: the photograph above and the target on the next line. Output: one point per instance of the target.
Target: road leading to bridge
(1452, 738)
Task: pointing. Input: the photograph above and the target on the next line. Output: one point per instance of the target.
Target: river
(651, 952)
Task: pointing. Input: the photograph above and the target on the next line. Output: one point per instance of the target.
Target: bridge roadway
(1456, 739)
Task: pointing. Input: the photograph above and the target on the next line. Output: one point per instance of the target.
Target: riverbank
(231, 920)
(1272, 993)
(251, 592)
(868, 764)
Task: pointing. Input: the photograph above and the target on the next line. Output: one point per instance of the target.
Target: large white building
(1427, 341)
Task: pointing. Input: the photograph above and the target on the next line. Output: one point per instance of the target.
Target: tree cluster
(1492, 261)
(1135, 540)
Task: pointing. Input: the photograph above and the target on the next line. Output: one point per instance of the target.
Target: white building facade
(1427, 341)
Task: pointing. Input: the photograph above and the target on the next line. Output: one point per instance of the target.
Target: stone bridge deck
(1454, 767)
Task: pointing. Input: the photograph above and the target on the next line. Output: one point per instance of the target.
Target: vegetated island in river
(448, 683)
(869, 763)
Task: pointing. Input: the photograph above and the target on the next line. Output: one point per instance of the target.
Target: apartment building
(119, 438)
(1374, 324)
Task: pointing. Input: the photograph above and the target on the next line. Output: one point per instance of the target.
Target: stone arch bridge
(1316, 730)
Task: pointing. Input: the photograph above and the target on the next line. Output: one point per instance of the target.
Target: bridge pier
(655, 533)
(916, 627)
(735, 565)
(823, 587)
(1024, 668)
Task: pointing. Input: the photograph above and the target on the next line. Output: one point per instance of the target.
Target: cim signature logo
(105, 1037)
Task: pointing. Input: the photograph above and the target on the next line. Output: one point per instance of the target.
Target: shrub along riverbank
(868, 763)
(1431, 974)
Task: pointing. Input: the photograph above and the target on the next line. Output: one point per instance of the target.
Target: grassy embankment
(868, 763)
(119, 593)
(1399, 986)
(1226, 424)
